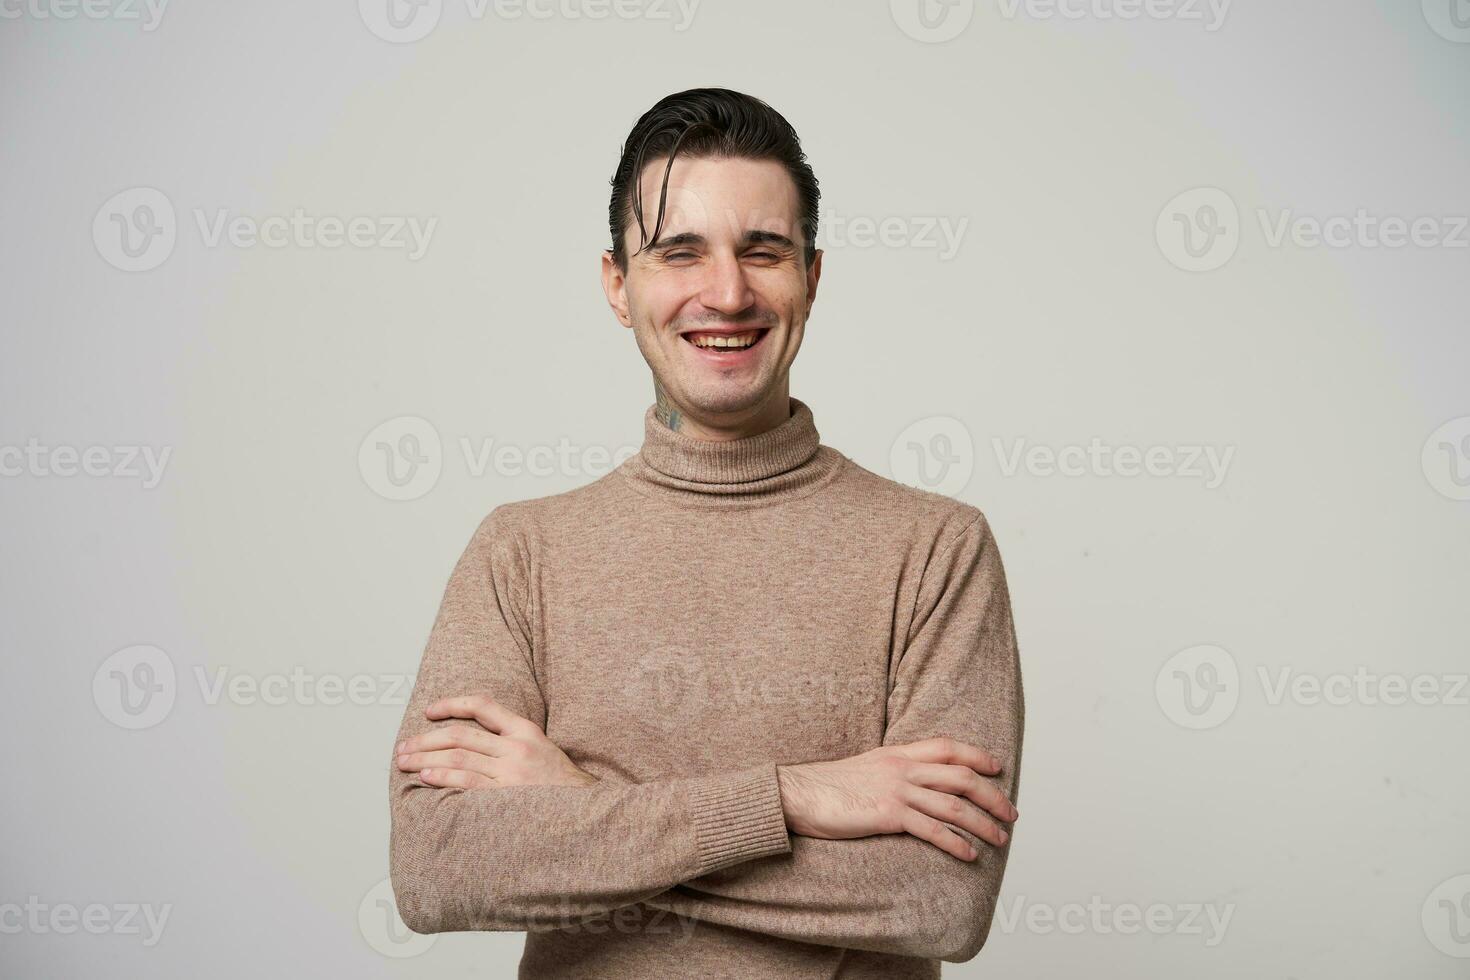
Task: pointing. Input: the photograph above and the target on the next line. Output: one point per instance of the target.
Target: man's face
(727, 264)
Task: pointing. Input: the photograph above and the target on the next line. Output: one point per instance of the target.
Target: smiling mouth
(736, 343)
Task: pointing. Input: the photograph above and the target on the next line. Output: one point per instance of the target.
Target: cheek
(786, 293)
(661, 303)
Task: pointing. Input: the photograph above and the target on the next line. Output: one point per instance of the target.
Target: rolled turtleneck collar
(782, 463)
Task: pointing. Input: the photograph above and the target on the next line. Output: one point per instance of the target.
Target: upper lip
(726, 330)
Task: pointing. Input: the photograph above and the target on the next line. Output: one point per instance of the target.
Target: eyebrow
(751, 238)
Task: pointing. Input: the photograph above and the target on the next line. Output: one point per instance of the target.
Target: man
(739, 708)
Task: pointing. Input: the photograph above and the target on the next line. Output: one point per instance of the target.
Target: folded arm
(542, 857)
(958, 676)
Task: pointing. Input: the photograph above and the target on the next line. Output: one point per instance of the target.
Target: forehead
(720, 197)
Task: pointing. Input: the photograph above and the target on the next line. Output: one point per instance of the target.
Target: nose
(725, 287)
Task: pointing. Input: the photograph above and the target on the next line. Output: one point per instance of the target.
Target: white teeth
(737, 340)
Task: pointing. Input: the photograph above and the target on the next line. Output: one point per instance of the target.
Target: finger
(956, 810)
(471, 737)
(963, 781)
(951, 750)
(935, 832)
(448, 759)
(456, 778)
(495, 717)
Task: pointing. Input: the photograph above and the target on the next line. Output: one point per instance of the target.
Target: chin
(723, 400)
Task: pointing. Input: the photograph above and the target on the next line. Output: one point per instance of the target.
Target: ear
(813, 276)
(614, 284)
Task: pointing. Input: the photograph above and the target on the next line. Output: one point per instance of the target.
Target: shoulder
(532, 520)
(921, 515)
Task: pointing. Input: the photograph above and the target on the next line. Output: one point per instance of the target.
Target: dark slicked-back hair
(706, 122)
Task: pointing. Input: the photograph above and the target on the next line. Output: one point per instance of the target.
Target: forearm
(891, 893)
(542, 857)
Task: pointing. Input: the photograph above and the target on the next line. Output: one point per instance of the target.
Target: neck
(783, 463)
(771, 412)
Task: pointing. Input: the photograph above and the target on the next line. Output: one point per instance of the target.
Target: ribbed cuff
(738, 817)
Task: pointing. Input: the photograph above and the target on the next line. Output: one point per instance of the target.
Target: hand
(501, 749)
(921, 788)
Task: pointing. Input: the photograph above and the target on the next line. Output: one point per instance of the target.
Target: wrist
(793, 797)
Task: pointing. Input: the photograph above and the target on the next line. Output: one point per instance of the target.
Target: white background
(1334, 541)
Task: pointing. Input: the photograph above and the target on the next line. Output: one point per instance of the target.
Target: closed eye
(678, 256)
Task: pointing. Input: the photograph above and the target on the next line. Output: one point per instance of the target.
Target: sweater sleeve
(959, 675)
(530, 858)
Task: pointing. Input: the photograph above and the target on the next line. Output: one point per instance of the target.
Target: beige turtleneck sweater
(680, 627)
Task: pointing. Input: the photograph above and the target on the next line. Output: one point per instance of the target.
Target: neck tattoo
(665, 410)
